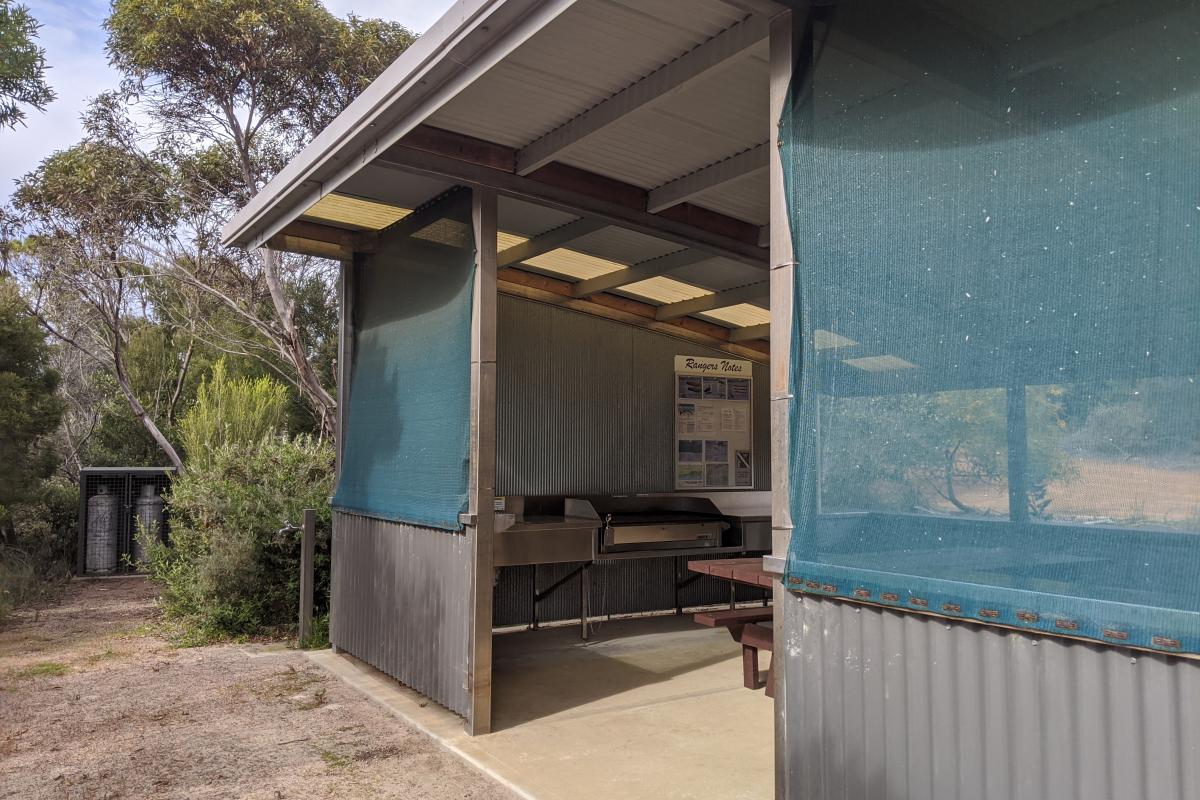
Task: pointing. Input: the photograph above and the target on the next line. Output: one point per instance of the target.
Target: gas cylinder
(148, 510)
(102, 521)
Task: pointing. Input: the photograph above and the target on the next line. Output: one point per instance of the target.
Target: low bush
(37, 545)
(18, 581)
(235, 411)
(230, 569)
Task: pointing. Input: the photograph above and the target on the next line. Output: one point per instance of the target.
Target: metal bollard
(308, 538)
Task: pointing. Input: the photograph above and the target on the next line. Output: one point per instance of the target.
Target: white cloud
(74, 41)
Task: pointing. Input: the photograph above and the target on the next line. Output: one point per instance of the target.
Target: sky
(74, 42)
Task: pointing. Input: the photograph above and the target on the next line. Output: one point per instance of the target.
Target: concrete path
(650, 708)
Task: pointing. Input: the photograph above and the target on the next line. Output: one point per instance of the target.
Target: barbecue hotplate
(651, 523)
(659, 518)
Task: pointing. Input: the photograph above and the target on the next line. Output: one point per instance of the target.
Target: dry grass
(96, 704)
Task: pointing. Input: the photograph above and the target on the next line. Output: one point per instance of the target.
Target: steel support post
(783, 50)
(308, 541)
(482, 492)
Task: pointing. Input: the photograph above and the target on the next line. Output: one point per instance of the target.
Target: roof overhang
(471, 37)
(628, 141)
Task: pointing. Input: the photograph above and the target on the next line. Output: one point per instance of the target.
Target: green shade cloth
(407, 433)
(995, 211)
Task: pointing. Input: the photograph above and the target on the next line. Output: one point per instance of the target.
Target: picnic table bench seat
(745, 628)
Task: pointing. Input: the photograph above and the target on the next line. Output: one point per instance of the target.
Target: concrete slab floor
(648, 708)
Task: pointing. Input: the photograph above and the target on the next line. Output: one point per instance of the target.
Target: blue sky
(74, 43)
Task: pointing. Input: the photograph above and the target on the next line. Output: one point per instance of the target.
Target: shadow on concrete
(542, 673)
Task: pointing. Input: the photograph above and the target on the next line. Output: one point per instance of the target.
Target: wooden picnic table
(748, 571)
(743, 623)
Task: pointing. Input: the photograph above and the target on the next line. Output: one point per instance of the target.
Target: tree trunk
(314, 393)
(149, 424)
(951, 460)
(135, 405)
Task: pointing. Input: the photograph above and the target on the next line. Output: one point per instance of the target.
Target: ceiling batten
(548, 241)
(636, 272)
(729, 297)
(672, 77)
(680, 190)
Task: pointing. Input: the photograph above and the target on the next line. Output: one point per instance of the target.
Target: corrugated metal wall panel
(401, 601)
(884, 705)
(585, 404)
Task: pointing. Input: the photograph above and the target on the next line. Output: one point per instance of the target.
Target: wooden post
(308, 540)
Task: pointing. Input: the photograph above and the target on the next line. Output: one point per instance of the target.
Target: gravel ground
(95, 704)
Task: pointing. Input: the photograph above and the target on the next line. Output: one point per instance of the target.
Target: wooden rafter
(464, 159)
(673, 77)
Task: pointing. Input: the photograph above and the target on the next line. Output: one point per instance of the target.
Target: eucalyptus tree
(85, 212)
(29, 407)
(236, 87)
(22, 65)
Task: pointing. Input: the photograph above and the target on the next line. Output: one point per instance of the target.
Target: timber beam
(750, 333)
(729, 297)
(545, 289)
(636, 272)
(466, 160)
(323, 241)
(673, 77)
(549, 241)
(680, 190)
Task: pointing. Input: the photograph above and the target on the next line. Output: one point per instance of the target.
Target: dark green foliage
(29, 408)
(908, 452)
(1146, 418)
(229, 570)
(319, 638)
(22, 65)
(36, 515)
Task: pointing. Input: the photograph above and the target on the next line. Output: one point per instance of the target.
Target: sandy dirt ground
(1116, 491)
(95, 704)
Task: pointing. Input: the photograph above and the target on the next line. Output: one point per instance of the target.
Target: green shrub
(318, 639)
(235, 411)
(18, 580)
(37, 549)
(229, 570)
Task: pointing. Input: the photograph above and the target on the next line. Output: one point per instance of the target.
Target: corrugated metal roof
(568, 67)
(661, 289)
(718, 274)
(625, 246)
(581, 261)
(685, 131)
(573, 264)
(355, 212)
(563, 70)
(743, 315)
(747, 198)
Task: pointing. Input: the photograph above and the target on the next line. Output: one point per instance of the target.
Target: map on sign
(713, 432)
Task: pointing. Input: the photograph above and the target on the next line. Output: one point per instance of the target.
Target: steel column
(782, 56)
(482, 490)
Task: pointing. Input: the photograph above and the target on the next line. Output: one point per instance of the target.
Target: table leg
(585, 596)
(749, 666)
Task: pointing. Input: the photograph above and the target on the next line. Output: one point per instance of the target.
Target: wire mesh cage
(120, 510)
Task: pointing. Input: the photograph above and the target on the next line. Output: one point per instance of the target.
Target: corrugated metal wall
(887, 705)
(401, 601)
(585, 404)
